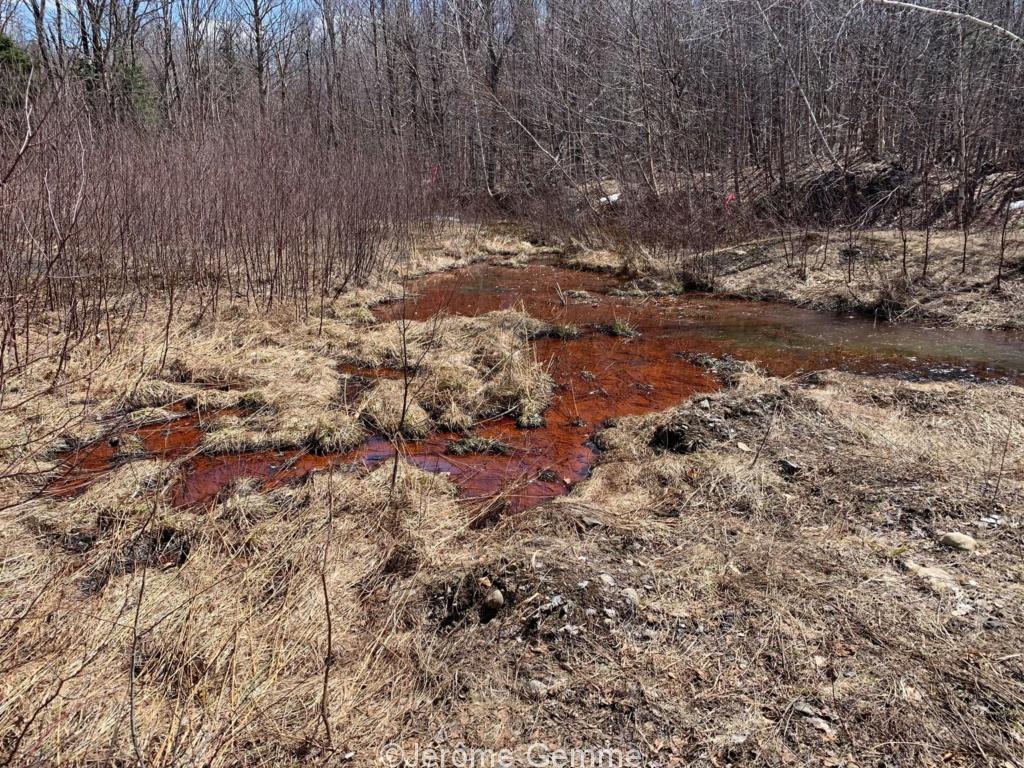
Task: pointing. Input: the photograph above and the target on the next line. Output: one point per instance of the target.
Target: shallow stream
(598, 376)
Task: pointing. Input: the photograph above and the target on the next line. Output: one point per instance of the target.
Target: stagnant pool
(598, 376)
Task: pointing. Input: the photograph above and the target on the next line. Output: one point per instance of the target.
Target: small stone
(705, 404)
(607, 580)
(632, 596)
(960, 541)
(805, 709)
(789, 468)
(557, 601)
(493, 600)
(936, 578)
(731, 739)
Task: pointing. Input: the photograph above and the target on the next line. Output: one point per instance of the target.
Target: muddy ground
(819, 570)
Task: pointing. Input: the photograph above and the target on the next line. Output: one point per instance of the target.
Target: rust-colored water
(597, 377)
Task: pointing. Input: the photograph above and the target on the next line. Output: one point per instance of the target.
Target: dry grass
(697, 606)
(813, 270)
(687, 600)
(389, 408)
(461, 369)
(281, 375)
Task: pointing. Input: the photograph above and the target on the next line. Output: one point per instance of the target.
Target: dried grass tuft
(390, 408)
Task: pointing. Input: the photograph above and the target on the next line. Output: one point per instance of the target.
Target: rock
(789, 468)
(936, 578)
(805, 709)
(493, 600)
(631, 596)
(705, 404)
(960, 541)
(607, 580)
(994, 623)
(537, 689)
(557, 601)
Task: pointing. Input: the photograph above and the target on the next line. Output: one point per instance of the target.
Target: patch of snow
(1017, 205)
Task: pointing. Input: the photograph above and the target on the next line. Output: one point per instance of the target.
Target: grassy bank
(873, 272)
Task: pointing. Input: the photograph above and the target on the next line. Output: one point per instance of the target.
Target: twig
(131, 672)
(328, 654)
(771, 422)
(1002, 464)
(953, 15)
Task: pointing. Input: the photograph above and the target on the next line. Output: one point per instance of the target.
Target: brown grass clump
(592, 260)
(325, 431)
(461, 369)
(390, 408)
(452, 391)
(166, 611)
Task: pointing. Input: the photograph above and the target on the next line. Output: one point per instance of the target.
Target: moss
(569, 331)
(620, 328)
(476, 444)
(530, 420)
(130, 446)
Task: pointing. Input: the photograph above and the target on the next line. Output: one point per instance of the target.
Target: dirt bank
(836, 272)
